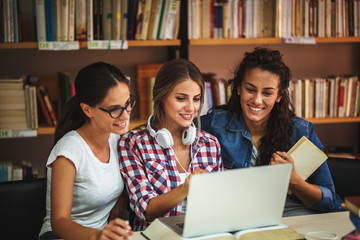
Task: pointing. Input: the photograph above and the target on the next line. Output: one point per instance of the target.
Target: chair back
(346, 176)
(22, 208)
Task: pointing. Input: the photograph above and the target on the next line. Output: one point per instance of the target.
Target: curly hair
(279, 127)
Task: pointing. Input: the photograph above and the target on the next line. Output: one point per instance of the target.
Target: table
(338, 223)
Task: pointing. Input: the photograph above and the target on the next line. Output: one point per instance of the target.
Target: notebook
(233, 200)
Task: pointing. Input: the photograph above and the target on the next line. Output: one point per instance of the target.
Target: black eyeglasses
(118, 111)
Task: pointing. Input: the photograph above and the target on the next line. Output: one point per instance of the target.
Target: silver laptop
(233, 200)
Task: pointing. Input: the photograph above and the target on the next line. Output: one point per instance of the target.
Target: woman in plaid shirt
(157, 161)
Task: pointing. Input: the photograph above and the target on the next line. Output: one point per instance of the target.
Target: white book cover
(307, 157)
(64, 19)
(171, 18)
(159, 4)
(71, 21)
(249, 19)
(90, 20)
(40, 20)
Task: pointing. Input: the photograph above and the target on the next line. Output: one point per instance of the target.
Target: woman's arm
(62, 181)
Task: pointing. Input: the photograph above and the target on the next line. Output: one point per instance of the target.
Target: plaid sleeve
(133, 170)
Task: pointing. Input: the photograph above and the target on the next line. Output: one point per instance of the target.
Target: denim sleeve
(206, 122)
(322, 178)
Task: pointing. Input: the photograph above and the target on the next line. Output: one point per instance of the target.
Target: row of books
(333, 96)
(15, 172)
(88, 20)
(273, 18)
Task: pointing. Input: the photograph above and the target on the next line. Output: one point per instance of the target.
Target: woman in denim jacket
(257, 127)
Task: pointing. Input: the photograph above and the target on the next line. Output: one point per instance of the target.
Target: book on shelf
(49, 20)
(353, 204)
(139, 19)
(44, 109)
(116, 20)
(307, 157)
(160, 230)
(80, 20)
(46, 106)
(124, 20)
(71, 21)
(131, 19)
(146, 19)
(64, 92)
(40, 20)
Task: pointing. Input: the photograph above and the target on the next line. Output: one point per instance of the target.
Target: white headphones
(164, 138)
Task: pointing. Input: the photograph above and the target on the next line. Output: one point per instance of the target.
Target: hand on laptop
(187, 180)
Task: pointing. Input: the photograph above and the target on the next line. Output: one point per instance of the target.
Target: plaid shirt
(150, 170)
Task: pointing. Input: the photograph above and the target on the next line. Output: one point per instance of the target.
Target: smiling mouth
(255, 109)
(120, 125)
(186, 116)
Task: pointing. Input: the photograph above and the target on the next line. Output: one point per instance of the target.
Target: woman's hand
(309, 194)
(187, 180)
(116, 229)
(283, 157)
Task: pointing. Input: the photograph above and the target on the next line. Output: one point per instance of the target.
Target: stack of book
(18, 109)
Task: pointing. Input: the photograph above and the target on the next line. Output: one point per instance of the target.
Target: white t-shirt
(97, 185)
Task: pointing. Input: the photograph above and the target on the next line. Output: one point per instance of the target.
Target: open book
(158, 230)
(307, 157)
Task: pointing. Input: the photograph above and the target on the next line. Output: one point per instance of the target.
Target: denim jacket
(236, 149)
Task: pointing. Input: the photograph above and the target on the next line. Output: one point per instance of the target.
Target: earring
(238, 93)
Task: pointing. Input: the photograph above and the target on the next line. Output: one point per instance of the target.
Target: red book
(48, 105)
(43, 107)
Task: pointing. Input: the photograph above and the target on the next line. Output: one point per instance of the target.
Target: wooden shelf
(51, 130)
(136, 122)
(333, 120)
(244, 41)
(131, 43)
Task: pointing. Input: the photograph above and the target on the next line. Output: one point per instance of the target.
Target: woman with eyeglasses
(83, 176)
(158, 160)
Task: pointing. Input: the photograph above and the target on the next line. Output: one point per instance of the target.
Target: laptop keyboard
(180, 225)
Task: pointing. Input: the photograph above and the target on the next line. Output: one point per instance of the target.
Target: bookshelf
(336, 55)
(131, 43)
(262, 41)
